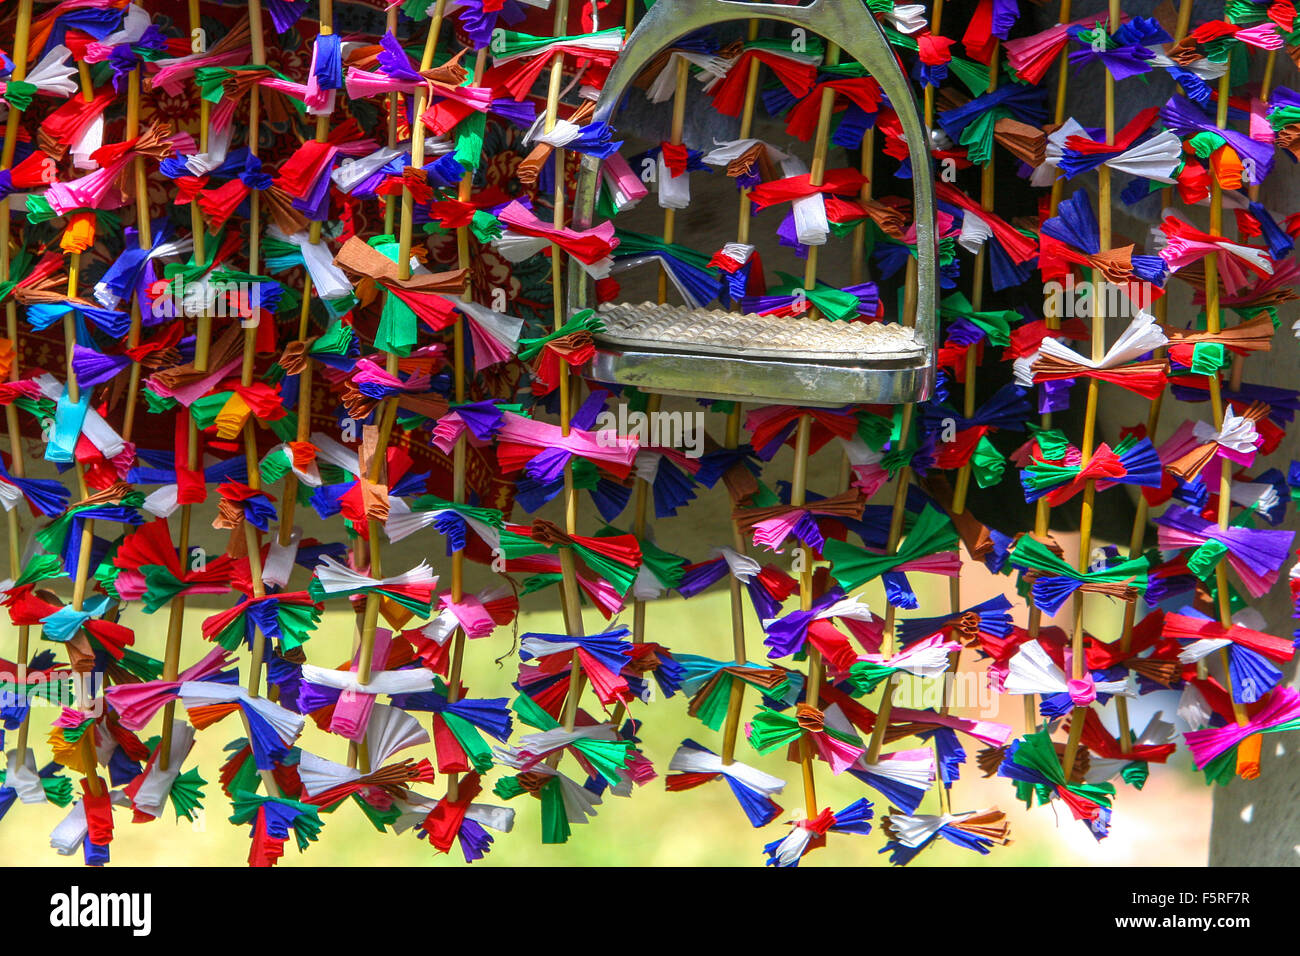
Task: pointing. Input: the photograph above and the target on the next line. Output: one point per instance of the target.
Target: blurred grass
(1168, 822)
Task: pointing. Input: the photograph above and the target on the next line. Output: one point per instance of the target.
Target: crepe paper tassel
(1007, 408)
(1072, 237)
(1132, 462)
(708, 683)
(806, 835)
(1187, 120)
(458, 727)
(1238, 440)
(983, 624)
(557, 353)
(926, 658)
(564, 802)
(1185, 245)
(270, 819)
(614, 559)
(445, 821)
(413, 589)
(136, 704)
(287, 617)
(1034, 766)
(596, 747)
(602, 658)
(1124, 52)
(1249, 652)
(273, 728)
(28, 785)
(525, 235)
(1108, 760)
(972, 124)
(1074, 149)
(790, 633)
(1255, 554)
(326, 783)
(691, 273)
(44, 496)
(978, 830)
(770, 730)
(771, 526)
(1055, 580)
(1218, 751)
(1032, 671)
(930, 546)
(1145, 377)
(154, 787)
(694, 765)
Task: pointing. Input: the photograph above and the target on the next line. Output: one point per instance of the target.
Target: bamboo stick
(252, 537)
(202, 345)
(731, 728)
(799, 478)
(1213, 324)
(641, 494)
(1052, 317)
(460, 450)
(394, 108)
(21, 37)
(387, 412)
(569, 598)
(1077, 663)
(82, 576)
(290, 501)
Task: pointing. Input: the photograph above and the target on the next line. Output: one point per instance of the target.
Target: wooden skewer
(987, 180)
(803, 433)
(460, 450)
(1052, 316)
(897, 515)
(1213, 324)
(1140, 515)
(202, 347)
(81, 578)
(176, 608)
(387, 412)
(569, 597)
(653, 400)
(21, 37)
(252, 537)
(1077, 663)
(394, 108)
(731, 729)
(304, 316)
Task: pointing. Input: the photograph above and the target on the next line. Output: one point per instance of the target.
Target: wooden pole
(394, 109)
(290, 500)
(459, 452)
(21, 38)
(1077, 663)
(80, 579)
(252, 538)
(386, 413)
(799, 478)
(1213, 325)
(1052, 317)
(1141, 514)
(641, 494)
(570, 600)
(731, 729)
